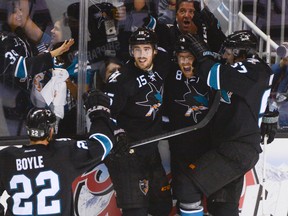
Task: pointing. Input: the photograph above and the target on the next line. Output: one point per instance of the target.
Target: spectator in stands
(191, 19)
(111, 65)
(38, 21)
(69, 61)
(59, 33)
(166, 11)
(279, 94)
(18, 57)
(141, 13)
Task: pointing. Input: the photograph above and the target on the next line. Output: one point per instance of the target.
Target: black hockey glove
(198, 47)
(209, 19)
(96, 104)
(121, 148)
(269, 126)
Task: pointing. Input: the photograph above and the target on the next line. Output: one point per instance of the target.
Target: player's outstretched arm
(97, 106)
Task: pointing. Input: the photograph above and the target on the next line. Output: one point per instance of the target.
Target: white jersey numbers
(240, 67)
(82, 144)
(49, 181)
(12, 56)
(179, 75)
(141, 81)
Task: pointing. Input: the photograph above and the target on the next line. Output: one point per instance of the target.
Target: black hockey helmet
(143, 36)
(39, 122)
(182, 44)
(241, 42)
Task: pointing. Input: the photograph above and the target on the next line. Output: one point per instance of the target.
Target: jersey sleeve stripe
(104, 141)
(214, 77)
(20, 70)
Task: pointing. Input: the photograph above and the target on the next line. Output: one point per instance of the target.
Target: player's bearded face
(228, 55)
(185, 62)
(143, 55)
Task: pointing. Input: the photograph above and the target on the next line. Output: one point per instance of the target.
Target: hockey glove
(121, 148)
(269, 126)
(96, 104)
(209, 19)
(198, 47)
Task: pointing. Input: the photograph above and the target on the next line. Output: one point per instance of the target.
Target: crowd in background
(110, 24)
(127, 39)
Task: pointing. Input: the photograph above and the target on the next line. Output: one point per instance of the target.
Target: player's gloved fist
(209, 19)
(96, 104)
(121, 147)
(198, 47)
(269, 126)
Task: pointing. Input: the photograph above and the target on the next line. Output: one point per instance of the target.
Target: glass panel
(29, 29)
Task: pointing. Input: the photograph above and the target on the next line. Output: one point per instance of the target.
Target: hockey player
(38, 176)
(235, 133)
(136, 92)
(185, 107)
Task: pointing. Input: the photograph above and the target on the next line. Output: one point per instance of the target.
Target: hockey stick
(264, 175)
(167, 135)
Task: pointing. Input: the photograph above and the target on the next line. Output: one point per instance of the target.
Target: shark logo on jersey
(152, 76)
(194, 101)
(153, 100)
(226, 96)
(3, 37)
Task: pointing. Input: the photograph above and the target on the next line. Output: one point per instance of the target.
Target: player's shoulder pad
(9, 149)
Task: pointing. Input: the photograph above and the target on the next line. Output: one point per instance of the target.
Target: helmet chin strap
(51, 135)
